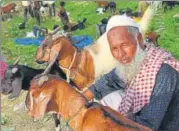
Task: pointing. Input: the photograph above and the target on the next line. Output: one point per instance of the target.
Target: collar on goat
(69, 68)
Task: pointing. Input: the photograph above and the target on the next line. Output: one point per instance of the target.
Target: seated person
(62, 14)
(144, 86)
(74, 27)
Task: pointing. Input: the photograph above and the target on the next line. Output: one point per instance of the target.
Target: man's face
(123, 44)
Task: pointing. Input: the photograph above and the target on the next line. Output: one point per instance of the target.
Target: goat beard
(128, 72)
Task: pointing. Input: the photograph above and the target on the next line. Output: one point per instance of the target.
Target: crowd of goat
(35, 9)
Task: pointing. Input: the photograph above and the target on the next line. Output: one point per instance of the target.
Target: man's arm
(167, 84)
(104, 86)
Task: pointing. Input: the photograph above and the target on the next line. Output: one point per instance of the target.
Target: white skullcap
(121, 20)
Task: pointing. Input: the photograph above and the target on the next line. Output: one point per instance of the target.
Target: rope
(68, 70)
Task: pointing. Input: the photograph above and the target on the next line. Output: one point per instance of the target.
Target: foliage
(78, 10)
(4, 120)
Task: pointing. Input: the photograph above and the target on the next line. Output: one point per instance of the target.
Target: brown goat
(102, 3)
(80, 64)
(50, 93)
(153, 37)
(8, 8)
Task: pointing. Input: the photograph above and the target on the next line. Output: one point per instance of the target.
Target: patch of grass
(88, 10)
(4, 2)
(4, 120)
(78, 10)
(169, 39)
(169, 33)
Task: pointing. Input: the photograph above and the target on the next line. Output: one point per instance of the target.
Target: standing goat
(111, 6)
(50, 5)
(7, 9)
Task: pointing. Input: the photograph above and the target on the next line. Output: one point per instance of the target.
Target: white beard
(128, 72)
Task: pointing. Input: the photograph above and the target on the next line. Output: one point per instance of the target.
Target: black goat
(101, 28)
(22, 25)
(80, 25)
(126, 11)
(18, 77)
(170, 4)
(111, 6)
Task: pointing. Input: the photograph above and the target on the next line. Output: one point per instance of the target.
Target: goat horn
(42, 80)
(17, 61)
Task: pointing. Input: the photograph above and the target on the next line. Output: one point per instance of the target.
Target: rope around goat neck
(68, 70)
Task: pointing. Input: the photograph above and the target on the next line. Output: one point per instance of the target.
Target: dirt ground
(19, 119)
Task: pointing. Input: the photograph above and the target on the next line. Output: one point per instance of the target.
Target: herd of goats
(37, 8)
(58, 88)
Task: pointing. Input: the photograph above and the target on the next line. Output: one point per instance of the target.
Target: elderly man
(144, 86)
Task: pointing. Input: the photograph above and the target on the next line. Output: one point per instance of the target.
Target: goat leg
(53, 9)
(27, 101)
(57, 122)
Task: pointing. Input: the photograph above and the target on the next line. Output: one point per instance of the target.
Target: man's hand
(88, 94)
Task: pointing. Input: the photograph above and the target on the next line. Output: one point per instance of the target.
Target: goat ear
(43, 101)
(42, 80)
(14, 70)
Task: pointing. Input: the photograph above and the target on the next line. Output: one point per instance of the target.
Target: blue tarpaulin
(78, 41)
(81, 41)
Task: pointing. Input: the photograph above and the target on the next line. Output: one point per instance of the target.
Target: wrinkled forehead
(120, 32)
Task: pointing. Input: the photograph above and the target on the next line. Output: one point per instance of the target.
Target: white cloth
(113, 100)
(121, 20)
(30, 34)
(100, 11)
(25, 3)
(48, 2)
(43, 11)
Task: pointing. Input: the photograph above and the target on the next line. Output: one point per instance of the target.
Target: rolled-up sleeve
(106, 84)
